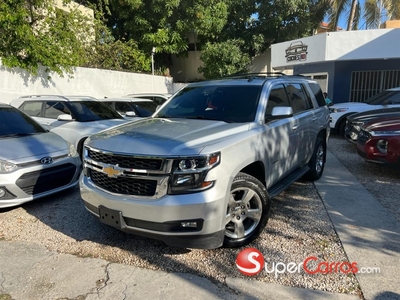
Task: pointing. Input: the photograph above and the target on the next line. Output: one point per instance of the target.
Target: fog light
(382, 146)
(2, 193)
(189, 224)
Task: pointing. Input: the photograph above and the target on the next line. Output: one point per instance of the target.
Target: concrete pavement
(369, 234)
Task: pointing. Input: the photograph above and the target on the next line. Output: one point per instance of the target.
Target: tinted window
(32, 108)
(55, 108)
(297, 97)
(394, 98)
(145, 109)
(316, 89)
(224, 103)
(123, 107)
(15, 123)
(277, 97)
(87, 111)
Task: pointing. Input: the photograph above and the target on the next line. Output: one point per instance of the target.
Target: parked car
(379, 141)
(355, 121)
(339, 112)
(74, 117)
(33, 161)
(201, 171)
(158, 98)
(137, 108)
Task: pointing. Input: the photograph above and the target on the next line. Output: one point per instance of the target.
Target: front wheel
(247, 211)
(317, 161)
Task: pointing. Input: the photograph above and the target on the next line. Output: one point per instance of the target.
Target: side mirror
(130, 114)
(64, 117)
(281, 112)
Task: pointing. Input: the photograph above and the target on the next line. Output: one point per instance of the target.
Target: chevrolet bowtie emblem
(111, 172)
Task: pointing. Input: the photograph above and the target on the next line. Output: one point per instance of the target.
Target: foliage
(36, 33)
(222, 59)
(105, 52)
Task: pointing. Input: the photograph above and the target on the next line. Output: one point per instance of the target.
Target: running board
(283, 184)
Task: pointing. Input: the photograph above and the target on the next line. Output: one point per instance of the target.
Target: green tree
(35, 33)
(222, 59)
(372, 11)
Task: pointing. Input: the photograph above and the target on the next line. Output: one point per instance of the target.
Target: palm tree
(373, 10)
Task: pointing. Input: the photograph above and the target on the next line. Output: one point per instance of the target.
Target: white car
(131, 108)
(339, 112)
(33, 161)
(158, 98)
(73, 117)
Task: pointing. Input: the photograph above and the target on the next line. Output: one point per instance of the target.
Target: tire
(317, 161)
(247, 211)
(341, 127)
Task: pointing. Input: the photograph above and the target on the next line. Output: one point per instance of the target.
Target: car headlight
(72, 150)
(7, 167)
(337, 110)
(189, 173)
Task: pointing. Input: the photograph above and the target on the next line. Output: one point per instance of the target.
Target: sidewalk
(369, 234)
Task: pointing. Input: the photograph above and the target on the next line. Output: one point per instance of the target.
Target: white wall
(92, 82)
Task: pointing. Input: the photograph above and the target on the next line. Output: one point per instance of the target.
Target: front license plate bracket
(110, 217)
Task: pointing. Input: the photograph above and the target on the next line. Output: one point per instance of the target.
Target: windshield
(224, 103)
(15, 123)
(87, 111)
(380, 98)
(144, 108)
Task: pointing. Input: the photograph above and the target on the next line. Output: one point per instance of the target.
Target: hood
(32, 147)
(348, 104)
(163, 137)
(385, 124)
(377, 113)
(105, 124)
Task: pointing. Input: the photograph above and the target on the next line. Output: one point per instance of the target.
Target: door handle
(295, 126)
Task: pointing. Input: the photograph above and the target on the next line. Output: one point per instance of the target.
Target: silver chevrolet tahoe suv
(201, 172)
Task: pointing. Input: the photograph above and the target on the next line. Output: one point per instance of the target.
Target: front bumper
(37, 181)
(163, 218)
(370, 152)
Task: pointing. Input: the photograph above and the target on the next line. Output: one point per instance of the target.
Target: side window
(54, 108)
(32, 109)
(122, 107)
(298, 98)
(277, 97)
(316, 89)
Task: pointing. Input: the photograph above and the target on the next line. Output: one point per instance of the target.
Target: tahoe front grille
(46, 180)
(126, 161)
(124, 185)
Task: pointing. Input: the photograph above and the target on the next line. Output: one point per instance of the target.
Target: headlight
(189, 173)
(337, 110)
(72, 150)
(6, 167)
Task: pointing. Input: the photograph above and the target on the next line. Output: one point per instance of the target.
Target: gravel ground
(299, 227)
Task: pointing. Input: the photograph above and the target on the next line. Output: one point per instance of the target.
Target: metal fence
(365, 84)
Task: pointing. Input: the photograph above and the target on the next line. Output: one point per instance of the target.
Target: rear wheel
(247, 211)
(317, 162)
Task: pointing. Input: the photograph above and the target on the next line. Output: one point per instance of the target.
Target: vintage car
(379, 141)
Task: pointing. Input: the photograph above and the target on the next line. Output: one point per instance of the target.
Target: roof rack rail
(44, 95)
(82, 96)
(253, 75)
